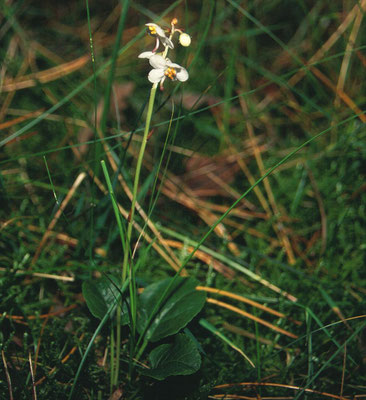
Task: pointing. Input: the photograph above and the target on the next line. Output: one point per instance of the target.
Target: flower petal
(146, 54)
(167, 42)
(172, 65)
(157, 61)
(182, 74)
(159, 31)
(156, 75)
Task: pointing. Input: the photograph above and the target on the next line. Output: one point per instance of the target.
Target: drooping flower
(163, 68)
(158, 32)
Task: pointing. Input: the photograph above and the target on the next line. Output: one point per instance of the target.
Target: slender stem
(112, 344)
(96, 147)
(137, 179)
(129, 234)
(132, 214)
(118, 343)
(141, 350)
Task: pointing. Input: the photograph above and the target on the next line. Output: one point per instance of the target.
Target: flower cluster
(163, 67)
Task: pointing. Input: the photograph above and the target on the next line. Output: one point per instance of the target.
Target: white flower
(184, 39)
(164, 68)
(158, 32)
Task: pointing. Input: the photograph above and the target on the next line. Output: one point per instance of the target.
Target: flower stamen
(151, 30)
(171, 73)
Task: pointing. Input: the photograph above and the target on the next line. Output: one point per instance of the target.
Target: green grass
(255, 125)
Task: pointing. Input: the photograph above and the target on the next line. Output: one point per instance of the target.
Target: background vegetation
(266, 77)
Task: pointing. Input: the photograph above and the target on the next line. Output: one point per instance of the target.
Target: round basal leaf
(178, 358)
(99, 295)
(178, 308)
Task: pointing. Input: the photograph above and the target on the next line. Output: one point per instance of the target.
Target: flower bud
(184, 39)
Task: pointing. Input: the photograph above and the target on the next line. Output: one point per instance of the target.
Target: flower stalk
(165, 69)
(162, 68)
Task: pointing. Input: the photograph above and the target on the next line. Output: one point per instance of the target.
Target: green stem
(142, 348)
(137, 180)
(112, 345)
(118, 344)
(132, 213)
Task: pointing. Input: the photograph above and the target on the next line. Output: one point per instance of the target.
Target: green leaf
(178, 358)
(178, 308)
(100, 295)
